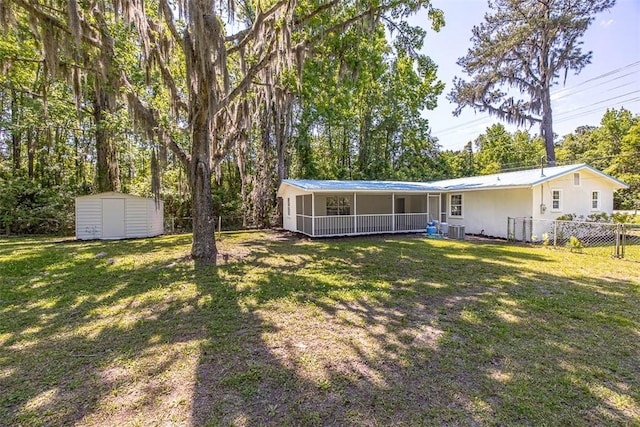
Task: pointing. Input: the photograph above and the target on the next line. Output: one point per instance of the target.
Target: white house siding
(574, 199)
(155, 215)
(136, 218)
(88, 218)
(486, 211)
(289, 218)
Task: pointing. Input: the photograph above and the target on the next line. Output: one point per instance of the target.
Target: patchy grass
(366, 331)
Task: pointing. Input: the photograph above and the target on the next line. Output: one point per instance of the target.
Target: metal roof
(525, 178)
(321, 185)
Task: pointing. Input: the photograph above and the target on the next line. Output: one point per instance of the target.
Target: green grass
(366, 331)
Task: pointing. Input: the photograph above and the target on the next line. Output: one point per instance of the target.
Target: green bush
(26, 207)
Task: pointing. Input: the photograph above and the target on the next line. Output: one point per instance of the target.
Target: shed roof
(112, 194)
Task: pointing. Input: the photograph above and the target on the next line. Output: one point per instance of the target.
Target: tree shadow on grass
(405, 332)
(344, 332)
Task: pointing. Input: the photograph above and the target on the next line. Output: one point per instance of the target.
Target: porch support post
(428, 197)
(355, 214)
(393, 211)
(313, 214)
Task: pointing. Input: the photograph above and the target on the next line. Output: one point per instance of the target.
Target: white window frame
(559, 208)
(597, 201)
(460, 211)
(288, 207)
(338, 206)
(577, 179)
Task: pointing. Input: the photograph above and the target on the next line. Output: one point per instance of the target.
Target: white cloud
(606, 23)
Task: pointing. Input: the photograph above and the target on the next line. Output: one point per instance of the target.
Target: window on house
(576, 179)
(455, 203)
(288, 206)
(556, 200)
(338, 206)
(595, 200)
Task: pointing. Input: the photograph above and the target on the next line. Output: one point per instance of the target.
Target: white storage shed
(118, 216)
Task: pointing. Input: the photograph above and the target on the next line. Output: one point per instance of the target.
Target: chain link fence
(609, 239)
(174, 224)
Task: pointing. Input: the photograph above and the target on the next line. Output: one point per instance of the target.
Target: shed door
(113, 218)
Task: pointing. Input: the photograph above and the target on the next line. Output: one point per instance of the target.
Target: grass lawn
(371, 331)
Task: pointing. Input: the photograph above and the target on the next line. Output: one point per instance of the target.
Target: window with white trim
(338, 206)
(288, 206)
(455, 205)
(576, 179)
(595, 200)
(556, 200)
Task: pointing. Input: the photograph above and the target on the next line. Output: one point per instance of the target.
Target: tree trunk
(203, 249)
(263, 172)
(16, 141)
(546, 127)
(281, 126)
(108, 173)
(16, 135)
(31, 153)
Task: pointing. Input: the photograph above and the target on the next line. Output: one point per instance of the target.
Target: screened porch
(341, 214)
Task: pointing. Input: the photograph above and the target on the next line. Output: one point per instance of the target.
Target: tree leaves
(517, 55)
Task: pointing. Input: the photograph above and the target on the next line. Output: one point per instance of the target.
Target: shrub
(574, 244)
(28, 208)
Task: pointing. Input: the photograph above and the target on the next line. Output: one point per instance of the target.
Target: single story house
(113, 215)
(481, 204)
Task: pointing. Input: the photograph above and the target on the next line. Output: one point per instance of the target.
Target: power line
(559, 115)
(627, 102)
(608, 73)
(593, 87)
(598, 77)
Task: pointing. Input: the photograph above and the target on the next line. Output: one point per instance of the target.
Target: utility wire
(598, 77)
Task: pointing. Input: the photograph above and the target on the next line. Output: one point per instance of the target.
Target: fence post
(555, 234)
(618, 238)
(173, 224)
(509, 238)
(624, 239)
(219, 227)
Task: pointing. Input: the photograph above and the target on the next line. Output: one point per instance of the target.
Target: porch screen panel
(307, 205)
(299, 210)
(299, 219)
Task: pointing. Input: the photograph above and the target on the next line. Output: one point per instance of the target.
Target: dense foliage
(520, 50)
(74, 120)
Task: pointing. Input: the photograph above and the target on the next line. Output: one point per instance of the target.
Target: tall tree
(519, 52)
(217, 81)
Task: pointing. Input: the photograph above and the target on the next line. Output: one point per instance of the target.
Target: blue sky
(612, 80)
